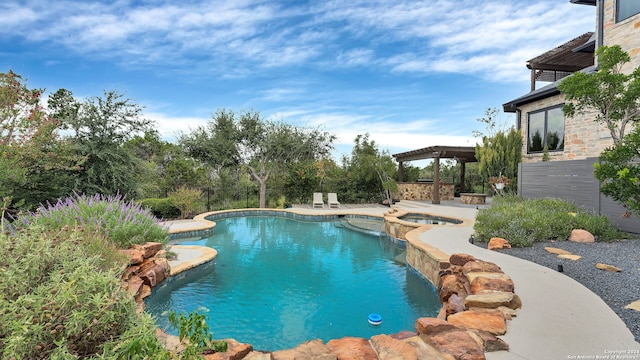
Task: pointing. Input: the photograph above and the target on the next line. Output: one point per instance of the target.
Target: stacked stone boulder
(478, 298)
(148, 267)
(497, 243)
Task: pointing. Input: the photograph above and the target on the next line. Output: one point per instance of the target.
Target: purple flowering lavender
(124, 222)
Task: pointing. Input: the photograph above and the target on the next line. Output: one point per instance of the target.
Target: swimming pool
(278, 282)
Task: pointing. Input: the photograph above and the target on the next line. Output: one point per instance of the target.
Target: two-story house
(573, 143)
(539, 113)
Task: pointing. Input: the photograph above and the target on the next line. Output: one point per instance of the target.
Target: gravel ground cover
(617, 289)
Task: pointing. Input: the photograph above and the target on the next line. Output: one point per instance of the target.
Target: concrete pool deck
(560, 318)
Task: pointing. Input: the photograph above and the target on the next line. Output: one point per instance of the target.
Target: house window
(626, 9)
(545, 127)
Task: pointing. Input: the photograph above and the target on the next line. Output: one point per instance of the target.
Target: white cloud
(472, 37)
(355, 57)
(19, 15)
(241, 38)
(254, 40)
(407, 135)
(170, 127)
(281, 94)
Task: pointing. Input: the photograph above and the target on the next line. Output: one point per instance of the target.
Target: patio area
(405, 204)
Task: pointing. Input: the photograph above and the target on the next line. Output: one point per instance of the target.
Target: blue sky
(410, 73)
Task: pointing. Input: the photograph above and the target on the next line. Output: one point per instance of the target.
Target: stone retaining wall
(428, 260)
(473, 198)
(424, 191)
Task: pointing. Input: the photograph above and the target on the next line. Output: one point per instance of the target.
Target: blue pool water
(429, 219)
(278, 282)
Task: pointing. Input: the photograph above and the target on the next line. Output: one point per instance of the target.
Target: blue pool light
(375, 319)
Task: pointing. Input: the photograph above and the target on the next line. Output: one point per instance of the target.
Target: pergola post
(435, 199)
(462, 170)
(400, 172)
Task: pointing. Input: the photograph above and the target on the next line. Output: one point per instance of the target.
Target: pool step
(362, 225)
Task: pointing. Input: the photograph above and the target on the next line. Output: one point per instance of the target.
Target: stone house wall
(625, 33)
(583, 137)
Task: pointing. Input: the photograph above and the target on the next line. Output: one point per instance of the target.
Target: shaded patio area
(462, 154)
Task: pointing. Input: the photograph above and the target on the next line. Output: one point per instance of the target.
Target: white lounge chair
(332, 200)
(317, 200)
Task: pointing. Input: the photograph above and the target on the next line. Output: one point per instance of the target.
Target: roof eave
(584, 2)
(542, 93)
(548, 91)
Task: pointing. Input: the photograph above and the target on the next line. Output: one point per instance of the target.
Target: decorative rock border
(148, 266)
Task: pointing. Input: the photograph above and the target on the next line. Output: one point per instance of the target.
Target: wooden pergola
(462, 154)
(564, 60)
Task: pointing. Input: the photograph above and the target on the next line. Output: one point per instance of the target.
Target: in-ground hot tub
(429, 219)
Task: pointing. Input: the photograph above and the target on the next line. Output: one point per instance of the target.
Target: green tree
(165, 167)
(493, 123)
(411, 172)
(20, 112)
(268, 148)
(612, 94)
(615, 98)
(619, 172)
(500, 151)
(215, 144)
(371, 173)
(147, 147)
(36, 164)
(215, 147)
(184, 171)
(100, 127)
(304, 177)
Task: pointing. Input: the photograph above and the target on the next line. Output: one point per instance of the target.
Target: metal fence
(572, 180)
(217, 198)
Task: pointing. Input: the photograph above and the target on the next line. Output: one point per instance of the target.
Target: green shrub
(161, 208)
(194, 328)
(252, 202)
(62, 298)
(525, 221)
(600, 226)
(122, 222)
(281, 203)
(138, 342)
(185, 199)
